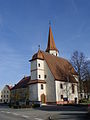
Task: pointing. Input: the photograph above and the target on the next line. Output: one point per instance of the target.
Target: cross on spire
(49, 22)
(38, 47)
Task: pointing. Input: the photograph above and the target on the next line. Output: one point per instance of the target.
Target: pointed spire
(51, 44)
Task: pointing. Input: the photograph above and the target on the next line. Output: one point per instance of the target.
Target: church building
(53, 79)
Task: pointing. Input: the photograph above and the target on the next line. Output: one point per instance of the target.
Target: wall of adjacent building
(20, 94)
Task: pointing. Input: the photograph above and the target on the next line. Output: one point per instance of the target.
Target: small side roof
(23, 83)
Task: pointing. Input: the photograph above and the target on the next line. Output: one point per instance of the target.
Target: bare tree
(86, 82)
(80, 64)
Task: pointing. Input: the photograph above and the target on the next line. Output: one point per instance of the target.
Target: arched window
(45, 76)
(61, 86)
(42, 86)
(38, 64)
(73, 88)
(39, 76)
(61, 96)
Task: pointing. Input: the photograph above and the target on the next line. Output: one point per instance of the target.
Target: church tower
(51, 47)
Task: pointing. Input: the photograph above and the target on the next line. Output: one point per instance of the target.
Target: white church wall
(60, 91)
(33, 70)
(50, 85)
(41, 62)
(33, 75)
(40, 69)
(41, 91)
(33, 90)
(37, 68)
(66, 91)
(54, 52)
(41, 74)
(33, 64)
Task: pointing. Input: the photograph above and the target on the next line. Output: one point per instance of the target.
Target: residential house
(20, 92)
(5, 94)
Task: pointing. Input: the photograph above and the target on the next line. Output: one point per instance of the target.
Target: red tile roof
(22, 83)
(51, 44)
(60, 67)
(38, 55)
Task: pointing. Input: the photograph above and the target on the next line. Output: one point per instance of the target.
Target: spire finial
(49, 22)
(38, 47)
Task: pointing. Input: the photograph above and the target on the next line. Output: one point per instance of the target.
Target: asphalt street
(43, 114)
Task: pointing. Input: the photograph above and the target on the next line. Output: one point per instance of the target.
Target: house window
(42, 86)
(7, 96)
(61, 86)
(81, 95)
(61, 96)
(39, 76)
(38, 64)
(73, 88)
(45, 76)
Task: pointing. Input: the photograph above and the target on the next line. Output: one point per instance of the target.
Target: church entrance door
(43, 98)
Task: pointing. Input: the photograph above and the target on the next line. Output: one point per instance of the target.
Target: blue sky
(24, 24)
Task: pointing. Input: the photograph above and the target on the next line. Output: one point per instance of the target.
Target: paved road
(41, 114)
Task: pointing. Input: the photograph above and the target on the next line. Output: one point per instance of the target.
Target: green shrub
(35, 105)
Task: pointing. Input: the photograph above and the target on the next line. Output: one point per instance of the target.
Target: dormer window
(38, 64)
